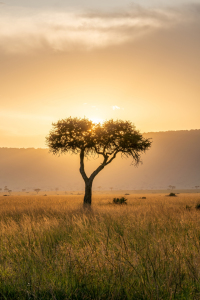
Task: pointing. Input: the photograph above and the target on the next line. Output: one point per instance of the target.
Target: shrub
(172, 195)
(121, 200)
(198, 205)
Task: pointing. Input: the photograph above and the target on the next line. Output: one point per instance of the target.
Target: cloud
(28, 31)
(115, 107)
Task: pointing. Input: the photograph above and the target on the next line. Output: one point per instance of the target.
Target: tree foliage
(108, 139)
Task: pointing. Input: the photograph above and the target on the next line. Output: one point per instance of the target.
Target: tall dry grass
(52, 249)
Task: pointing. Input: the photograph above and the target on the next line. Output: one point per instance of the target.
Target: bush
(172, 195)
(198, 205)
(121, 200)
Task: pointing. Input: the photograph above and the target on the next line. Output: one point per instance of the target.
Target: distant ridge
(174, 159)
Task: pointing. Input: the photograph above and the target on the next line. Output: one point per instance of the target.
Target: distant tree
(111, 188)
(6, 188)
(196, 186)
(9, 191)
(37, 190)
(0, 189)
(23, 190)
(172, 187)
(83, 137)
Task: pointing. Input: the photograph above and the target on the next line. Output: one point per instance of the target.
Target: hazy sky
(135, 60)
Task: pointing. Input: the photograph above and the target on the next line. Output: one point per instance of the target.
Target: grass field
(52, 249)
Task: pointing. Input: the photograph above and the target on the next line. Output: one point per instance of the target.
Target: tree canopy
(107, 139)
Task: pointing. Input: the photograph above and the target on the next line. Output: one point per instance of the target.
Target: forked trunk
(88, 181)
(88, 194)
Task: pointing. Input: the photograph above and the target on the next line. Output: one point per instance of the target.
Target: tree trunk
(88, 181)
(88, 194)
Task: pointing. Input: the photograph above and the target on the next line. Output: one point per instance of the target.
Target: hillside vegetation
(52, 249)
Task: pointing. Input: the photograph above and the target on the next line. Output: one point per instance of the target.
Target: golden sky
(120, 60)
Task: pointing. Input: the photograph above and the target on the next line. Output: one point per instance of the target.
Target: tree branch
(82, 169)
(113, 157)
(92, 176)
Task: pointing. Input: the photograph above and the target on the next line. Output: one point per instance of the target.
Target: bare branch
(111, 159)
(82, 169)
(100, 168)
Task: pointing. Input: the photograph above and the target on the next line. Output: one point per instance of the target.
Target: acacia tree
(83, 137)
(37, 190)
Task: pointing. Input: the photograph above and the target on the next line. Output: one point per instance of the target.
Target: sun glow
(97, 120)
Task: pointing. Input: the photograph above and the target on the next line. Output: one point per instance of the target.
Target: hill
(174, 159)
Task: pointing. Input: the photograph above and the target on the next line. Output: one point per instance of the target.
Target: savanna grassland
(52, 249)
